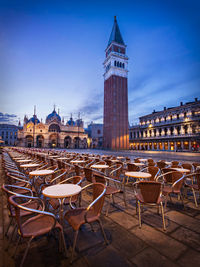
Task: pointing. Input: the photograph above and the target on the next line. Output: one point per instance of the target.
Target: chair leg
(15, 251)
(11, 236)
(26, 251)
(103, 232)
(74, 244)
(163, 217)
(166, 202)
(181, 197)
(124, 196)
(195, 199)
(108, 207)
(139, 215)
(6, 233)
(63, 241)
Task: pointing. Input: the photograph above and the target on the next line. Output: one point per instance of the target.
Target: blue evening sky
(51, 52)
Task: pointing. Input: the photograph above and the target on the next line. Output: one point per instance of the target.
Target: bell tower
(116, 134)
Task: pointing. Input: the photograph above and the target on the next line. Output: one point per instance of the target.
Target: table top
(121, 157)
(18, 158)
(181, 170)
(31, 165)
(62, 158)
(138, 174)
(168, 162)
(137, 163)
(77, 161)
(100, 166)
(41, 172)
(61, 190)
(54, 156)
(143, 160)
(24, 160)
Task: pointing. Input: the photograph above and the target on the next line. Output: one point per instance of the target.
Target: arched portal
(29, 141)
(77, 142)
(53, 140)
(67, 142)
(40, 141)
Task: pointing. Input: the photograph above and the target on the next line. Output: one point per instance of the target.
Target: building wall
(175, 129)
(9, 134)
(39, 135)
(95, 134)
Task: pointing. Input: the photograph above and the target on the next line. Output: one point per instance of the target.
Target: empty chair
(149, 193)
(175, 164)
(132, 167)
(192, 182)
(154, 171)
(79, 216)
(161, 164)
(187, 166)
(40, 223)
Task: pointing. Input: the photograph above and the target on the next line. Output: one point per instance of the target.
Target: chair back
(99, 178)
(168, 177)
(137, 160)
(187, 166)
(175, 164)
(153, 171)
(150, 191)
(132, 167)
(98, 189)
(175, 177)
(88, 174)
(161, 164)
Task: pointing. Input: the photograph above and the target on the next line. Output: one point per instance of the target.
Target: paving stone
(189, 258)
(160, 241)
(123, 219)
(184, 220)
(127, 243)
(197, 217)
(150, 257)
(155, 220)
(187, 237)
(107, 257)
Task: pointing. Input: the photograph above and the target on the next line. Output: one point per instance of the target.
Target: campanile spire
(116, 92)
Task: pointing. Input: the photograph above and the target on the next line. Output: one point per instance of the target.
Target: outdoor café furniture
(77, 161)
(192, 182)
(153, 170)
(138, 175)
(60, 192)
(40, 223)
(181, 170)
(41, 174)
(79, 216)
(132, 167)
(139, 164)
(149, 193)
(143, 160)
(29, 165)
(23, 160)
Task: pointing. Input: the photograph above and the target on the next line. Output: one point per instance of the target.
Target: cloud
(8, 118)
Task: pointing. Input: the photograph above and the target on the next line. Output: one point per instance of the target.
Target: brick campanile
(116, 134)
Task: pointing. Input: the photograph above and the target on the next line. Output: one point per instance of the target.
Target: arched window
(123, 65)
(115, 63)
(120, 64)
(54, 128)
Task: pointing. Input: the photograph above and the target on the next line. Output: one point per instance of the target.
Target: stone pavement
(128, 245)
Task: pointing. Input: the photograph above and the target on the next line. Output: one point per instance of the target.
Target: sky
(52, 53)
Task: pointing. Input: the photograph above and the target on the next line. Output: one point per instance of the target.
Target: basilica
(53, 133)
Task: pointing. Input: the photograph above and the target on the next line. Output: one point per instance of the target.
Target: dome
(53, 116)
(71, 122)
(34, 120)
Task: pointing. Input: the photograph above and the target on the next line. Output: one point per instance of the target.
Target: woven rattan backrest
(150, 191)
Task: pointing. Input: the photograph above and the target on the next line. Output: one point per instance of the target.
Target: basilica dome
(53, 116)
(34, 120)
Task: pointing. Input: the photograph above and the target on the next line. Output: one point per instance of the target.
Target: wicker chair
(79, 216)
(40, 223)
(149, 193)
(192, 182)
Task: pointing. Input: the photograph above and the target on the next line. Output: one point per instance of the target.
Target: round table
(77, 161)
(139, 164)
(31, 165)
(138, 175)
(143, 160)
(63, 158)
(99, 166)
(41, 172)
(181, 170)
(54, 156)
(24, 160)
(168, 162)
(61, 191)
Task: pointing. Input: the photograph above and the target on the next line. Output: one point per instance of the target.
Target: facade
(175, 129)
(95, 135)
(52, 133)
(116, 93)
(9, 133)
